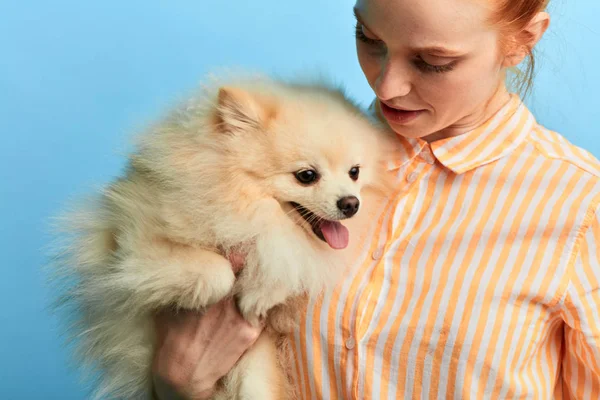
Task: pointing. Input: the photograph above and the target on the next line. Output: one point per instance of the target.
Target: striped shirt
(481, 281)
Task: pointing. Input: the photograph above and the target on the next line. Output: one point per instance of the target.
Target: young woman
(483, 277)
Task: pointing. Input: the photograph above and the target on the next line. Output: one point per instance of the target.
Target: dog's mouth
(331, 232)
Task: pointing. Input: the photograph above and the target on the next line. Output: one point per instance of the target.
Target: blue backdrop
(76, 77)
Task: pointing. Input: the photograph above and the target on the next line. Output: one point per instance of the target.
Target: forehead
(451, 23)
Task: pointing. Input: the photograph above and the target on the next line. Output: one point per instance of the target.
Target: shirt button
(350, 343)
(428, 158)
(411, 177)
(377, 253)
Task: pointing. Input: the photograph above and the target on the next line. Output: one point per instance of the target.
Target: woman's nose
(394, 80)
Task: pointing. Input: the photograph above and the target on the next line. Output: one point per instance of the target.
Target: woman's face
(435, 65)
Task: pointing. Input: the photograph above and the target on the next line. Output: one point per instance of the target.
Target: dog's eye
(354, 172)
(307, 176)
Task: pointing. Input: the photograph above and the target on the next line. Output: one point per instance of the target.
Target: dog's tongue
(335, 234)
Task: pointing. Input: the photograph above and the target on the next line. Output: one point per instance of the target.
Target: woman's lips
(398, 116)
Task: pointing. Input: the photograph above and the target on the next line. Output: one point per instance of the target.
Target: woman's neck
(475, 119)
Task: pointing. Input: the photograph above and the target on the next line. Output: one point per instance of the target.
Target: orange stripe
(356, 282)
(510, 333)
(411, 271)
(478, 274)
(376, 282)
(562, 244)
(506, 293)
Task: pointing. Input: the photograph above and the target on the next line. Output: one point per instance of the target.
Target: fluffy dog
(285, 173)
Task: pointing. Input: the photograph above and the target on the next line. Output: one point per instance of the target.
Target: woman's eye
(360, 35)
(424, 66)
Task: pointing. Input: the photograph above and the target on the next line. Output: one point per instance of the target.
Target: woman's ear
(525, 40)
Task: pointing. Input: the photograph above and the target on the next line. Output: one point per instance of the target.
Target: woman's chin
(412, 131)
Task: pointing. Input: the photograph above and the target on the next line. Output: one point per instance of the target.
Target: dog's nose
(348, 205)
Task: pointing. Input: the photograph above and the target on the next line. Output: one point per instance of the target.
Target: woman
(483, 280)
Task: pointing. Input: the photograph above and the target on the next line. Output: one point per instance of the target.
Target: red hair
(512, 17)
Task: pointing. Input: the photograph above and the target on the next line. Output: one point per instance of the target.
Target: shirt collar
(492, 140)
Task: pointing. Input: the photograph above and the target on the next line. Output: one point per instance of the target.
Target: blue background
(77, 77)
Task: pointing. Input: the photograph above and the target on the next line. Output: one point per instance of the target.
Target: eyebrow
(440, 51)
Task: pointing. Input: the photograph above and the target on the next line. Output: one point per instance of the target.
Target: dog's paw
(254, 306)
(210, 287)
(219, 285)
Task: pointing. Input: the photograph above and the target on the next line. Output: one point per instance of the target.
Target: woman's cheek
(370, 65)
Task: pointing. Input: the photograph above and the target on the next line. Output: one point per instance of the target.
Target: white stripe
(554, 351)
(547, 134)
(568, 343)
(382, 300)
(383, 339)
(486, 280)
(294, 371)
(310, 362)
(397, 216)
(457, 267)
(402, 293)
(341, 306)
(497, 120)
(388, 267)
(582, 158)
(303, 394)
(467, 158)
(325, 310)
(546, 260)
(503, 137)
(359, 348)
(524, 270)
(547, 373)
(543, 142)
(401, 336)
(587, 387)
(323, 326)
(441, 258)
(364, 311)
(537, 384)
(590, 327)
(593, 255)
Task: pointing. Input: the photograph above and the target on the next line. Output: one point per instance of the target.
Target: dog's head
(305, 146)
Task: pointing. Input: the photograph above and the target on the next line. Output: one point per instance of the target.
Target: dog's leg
(257, 375)
(174, 275)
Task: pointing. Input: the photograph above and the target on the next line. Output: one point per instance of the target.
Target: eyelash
(438, 69)
(421, 64)
(360, 35)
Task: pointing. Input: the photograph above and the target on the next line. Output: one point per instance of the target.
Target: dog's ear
(241, 111)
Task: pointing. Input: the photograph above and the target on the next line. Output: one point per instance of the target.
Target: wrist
(162, 390)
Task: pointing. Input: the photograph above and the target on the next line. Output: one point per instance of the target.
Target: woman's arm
(581, 313)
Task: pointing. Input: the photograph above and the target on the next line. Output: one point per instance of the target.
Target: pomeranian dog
(287, 174)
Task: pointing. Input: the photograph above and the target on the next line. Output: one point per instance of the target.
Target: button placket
(427, 156)
(412, 177)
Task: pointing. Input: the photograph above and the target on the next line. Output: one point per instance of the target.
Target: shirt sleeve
(581, 313)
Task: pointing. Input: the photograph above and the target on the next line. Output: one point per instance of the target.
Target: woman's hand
(195, 350)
